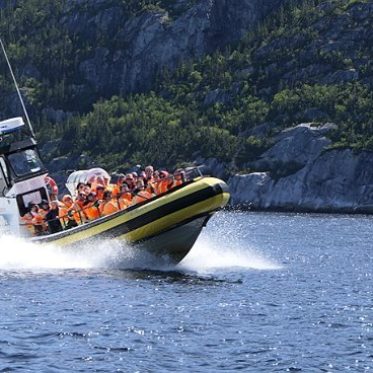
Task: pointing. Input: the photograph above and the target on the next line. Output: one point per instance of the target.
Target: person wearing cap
(108, 205)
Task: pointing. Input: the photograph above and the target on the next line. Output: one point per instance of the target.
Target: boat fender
(51, 185)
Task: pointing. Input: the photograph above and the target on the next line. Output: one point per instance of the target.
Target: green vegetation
(298, 66)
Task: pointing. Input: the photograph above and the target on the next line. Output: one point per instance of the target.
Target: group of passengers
(98, 197)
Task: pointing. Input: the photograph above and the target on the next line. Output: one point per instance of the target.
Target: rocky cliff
(102, 48)
(314, 177)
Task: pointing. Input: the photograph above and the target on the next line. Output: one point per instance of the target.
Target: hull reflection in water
(166, 226)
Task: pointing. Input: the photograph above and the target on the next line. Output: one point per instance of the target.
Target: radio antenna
(17, 89)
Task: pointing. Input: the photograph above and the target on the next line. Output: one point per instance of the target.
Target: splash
(211, 255)
(18, 254)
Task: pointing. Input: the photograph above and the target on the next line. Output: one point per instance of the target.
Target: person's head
(149, 171)
(44, 205)
(140, 184)
(156, 175)
(107, 195)
(124, 188)
(33, 207)
(91, 197)
(100, 189)
(86, 189)
(80, 187)
(129, 180)
(121, 178)
(67, 200)
(163, 174)
(81, 196)
(54, 205)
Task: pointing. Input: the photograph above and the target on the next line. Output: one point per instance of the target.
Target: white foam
(18, 254)
(210, 255)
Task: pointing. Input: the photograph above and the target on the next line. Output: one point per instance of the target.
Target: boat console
(22, 173)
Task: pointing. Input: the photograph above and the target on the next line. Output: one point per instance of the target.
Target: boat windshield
(25, 162)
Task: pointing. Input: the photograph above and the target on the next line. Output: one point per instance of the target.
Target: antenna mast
(17, 89)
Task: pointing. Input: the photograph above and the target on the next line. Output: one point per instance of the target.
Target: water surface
(259, 292)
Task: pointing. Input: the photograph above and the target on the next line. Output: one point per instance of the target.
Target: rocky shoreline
(303, 173)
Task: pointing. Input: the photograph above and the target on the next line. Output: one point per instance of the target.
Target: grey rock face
(153, 41)
(329, 180)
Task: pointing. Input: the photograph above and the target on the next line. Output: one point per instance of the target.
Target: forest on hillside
(311, 61)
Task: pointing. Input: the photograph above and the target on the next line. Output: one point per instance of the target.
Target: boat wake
(209, 255)
(17, 254)
(206, 257)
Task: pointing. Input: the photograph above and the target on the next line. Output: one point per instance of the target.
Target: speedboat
(166, 225)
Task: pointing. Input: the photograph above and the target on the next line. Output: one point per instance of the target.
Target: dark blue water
(258, 293)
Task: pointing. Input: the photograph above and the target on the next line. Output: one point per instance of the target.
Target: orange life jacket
(177, 183)
(141, 196)
(125, 200)
(115, 190)
(108, 207)
(37, 218)
(71, 213)
(92, 211)
(164, 185)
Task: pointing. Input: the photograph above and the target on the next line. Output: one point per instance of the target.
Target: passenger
(68, 213)
(108, 206)
(52, 218)
(130, 181)
(91, 207)
(80, 202)
(142, 175)
(179, 178)
(115, 188)
(100, 192)
(87, 189)
(37, 220)
(141, 194)
(149, 172)
(80, 188)
(135, 176)
(150, 184)
(165, 182)
(125, 197)
(26, 220)
(98, 181)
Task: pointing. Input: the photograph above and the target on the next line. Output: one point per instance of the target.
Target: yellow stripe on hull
(170, 220)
